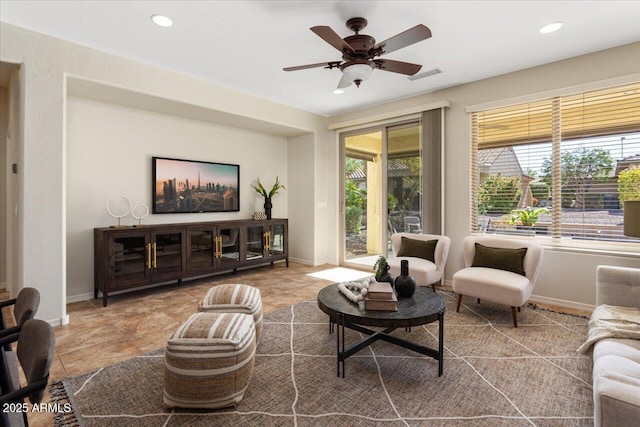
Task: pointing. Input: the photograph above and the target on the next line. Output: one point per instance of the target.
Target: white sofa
(616, 361)
(426, 273)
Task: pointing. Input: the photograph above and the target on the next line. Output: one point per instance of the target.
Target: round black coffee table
(425, 306)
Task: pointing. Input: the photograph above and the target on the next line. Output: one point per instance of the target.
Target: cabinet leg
(286, 261)
(235, 270)
(104, 299)
(179, 282)
(95, 293)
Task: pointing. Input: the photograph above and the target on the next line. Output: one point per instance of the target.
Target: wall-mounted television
(190, 186)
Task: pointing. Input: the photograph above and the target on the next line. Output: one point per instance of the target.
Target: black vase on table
(405, 285)
(267, 207)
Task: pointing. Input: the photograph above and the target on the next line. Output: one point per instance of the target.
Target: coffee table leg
(440, 343)
(338, 346)
(340, 356)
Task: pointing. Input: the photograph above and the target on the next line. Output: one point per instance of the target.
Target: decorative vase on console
(405, 285)
(268, 194)
(267, 207)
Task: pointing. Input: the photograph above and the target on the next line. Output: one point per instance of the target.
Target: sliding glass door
(382, 182)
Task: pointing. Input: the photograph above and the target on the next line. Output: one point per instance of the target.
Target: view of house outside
(597, 175)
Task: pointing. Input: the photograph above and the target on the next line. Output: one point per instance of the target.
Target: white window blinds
(558, 168)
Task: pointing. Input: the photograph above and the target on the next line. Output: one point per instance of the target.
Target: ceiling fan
(360, 52)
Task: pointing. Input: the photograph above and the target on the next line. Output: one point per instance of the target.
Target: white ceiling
(245, 44)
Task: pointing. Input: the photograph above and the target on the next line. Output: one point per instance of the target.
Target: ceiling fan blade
(397, 66)
(344, 82)
(404, 39)
(331, 37)
(330, 65)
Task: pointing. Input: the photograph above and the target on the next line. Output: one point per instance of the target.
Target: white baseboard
(302, 261)
(561, 303)
(552, 301)
(60, 321)
(80, 297)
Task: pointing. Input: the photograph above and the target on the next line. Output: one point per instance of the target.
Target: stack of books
(381, 297)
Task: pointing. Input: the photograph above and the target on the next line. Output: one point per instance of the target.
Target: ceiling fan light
(550, 28)
(162, 20)
(338, 91)
(357, 73)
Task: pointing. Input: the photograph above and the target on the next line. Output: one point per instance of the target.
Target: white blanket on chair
(609, 321)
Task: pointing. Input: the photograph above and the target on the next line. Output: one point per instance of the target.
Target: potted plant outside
(268, 195)
(526, 218)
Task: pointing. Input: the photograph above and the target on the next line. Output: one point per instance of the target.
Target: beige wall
(566, 276)
(46, 63)
(125, 139)
(4, 123)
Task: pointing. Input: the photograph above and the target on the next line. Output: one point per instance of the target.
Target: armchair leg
(478, 300)
(514, 315)
(459, 301)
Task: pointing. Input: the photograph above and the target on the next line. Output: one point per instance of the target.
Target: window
(558, 168)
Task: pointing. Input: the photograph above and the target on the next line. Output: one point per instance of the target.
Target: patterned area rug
(494, 375)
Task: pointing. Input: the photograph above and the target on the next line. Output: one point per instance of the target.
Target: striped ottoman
(234, 298)
(209, 360)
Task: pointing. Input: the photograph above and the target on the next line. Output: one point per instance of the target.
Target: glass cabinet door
(167, 253)
(255, 242)
(276, 239)
(129, 257)
(228, 246)
(201, 245)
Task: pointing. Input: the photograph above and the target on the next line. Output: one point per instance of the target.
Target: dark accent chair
(35, 350)
(25, 306)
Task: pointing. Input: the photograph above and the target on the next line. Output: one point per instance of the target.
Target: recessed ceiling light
(338, 91)
(550, 28)
(161, 20)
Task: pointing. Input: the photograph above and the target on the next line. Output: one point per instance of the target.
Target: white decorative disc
(118, 207)
(140, 211)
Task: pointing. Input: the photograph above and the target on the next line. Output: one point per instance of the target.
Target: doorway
(10, 152)
(382, 184)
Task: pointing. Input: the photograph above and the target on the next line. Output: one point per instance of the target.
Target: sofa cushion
(503, 287)
(627, 348)
(500, 258)
(424, 249)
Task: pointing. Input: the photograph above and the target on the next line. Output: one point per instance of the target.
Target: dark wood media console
(131, 257)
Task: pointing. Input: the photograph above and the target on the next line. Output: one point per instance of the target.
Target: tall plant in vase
(268, 195)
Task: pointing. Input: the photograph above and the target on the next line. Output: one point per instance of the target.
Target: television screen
(189, 186)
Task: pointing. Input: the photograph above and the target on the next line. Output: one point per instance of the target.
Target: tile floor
(139, 322)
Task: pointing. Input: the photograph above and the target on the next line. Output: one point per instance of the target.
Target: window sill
(593, 247)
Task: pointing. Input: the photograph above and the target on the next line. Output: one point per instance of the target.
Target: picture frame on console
(194, 186)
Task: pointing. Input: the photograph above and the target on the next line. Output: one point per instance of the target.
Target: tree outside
(580, 168)
(499, 194)
(355, 198)
(629, 184)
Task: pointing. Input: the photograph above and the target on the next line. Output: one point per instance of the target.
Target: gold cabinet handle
(154, 255)
(148, 263)
(218, 253)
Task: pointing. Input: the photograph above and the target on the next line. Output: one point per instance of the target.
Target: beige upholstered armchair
(426, 253)
(498, 270)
